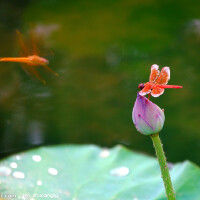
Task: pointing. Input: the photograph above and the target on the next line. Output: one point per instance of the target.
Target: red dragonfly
(157, 82)
(30, 59)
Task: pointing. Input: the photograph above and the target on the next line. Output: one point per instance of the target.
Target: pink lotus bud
(147, 116)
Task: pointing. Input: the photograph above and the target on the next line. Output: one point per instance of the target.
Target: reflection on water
(101, 50)
(193, 28)
(35, 132)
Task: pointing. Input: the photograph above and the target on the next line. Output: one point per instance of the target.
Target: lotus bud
(147, 116)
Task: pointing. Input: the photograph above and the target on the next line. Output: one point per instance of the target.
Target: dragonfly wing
(23, 46)
(35, 50)
(164, 76)
(146, 89)
(30, 70)
(156, 92)
(154, 73)
(50, 70)
(35, 73)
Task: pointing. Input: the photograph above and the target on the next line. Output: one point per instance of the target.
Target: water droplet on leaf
(104, 153)
(5, 171)
(13, 165)
(19, 175)
(53, 171)
(36, 158)
(120, 171)
(18, 157)
(39, 182)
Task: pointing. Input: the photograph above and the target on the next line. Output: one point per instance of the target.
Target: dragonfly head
(141, 86)
(44, 61)
(36, 60)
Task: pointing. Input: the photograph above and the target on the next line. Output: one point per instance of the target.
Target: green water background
(102, 51)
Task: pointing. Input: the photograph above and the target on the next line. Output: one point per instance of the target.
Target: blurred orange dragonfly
(30, 59)
(157, 82)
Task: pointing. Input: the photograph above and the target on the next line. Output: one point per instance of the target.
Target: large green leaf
(91, 173)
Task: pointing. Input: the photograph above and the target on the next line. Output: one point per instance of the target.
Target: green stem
(163, 166)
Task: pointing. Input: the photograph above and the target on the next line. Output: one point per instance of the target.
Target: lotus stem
(163, 166)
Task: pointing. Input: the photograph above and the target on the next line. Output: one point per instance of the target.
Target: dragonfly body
(30, 60)
(157, 82)
(33, 60)
(169, 86)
